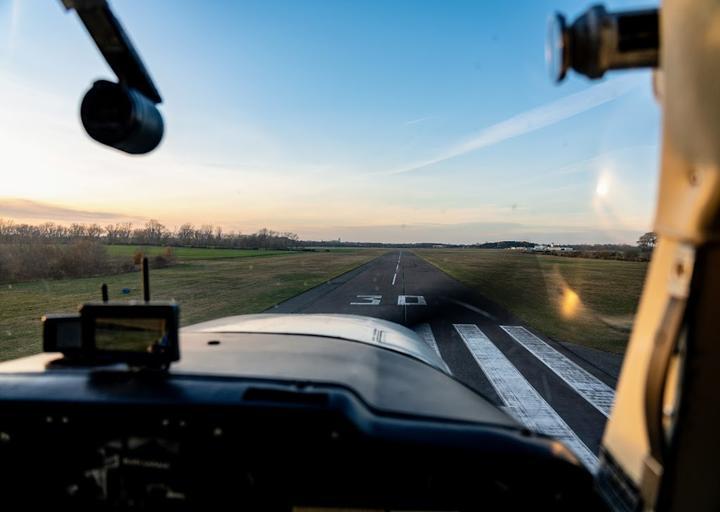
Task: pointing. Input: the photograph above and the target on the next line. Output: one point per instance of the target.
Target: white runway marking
(411, 300)
(425, 332)
(522, 400)
(397, 269)
(368, 300)
(587, 385)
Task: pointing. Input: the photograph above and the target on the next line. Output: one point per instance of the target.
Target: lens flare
(570, 303)
(603, 186)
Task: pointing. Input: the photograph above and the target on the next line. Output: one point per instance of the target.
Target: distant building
(552, 248)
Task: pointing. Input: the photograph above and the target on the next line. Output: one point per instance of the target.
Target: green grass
(585, 301)
(190, 253)
(205, 289)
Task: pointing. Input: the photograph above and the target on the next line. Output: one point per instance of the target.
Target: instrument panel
(262, 445)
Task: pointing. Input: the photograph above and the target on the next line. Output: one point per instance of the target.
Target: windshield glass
(410, 161)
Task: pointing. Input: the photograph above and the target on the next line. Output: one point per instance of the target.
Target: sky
(402, 121)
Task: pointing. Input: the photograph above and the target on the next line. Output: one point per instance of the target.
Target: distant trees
(647, 241)
(10, 231)
(505, 244)
(118, 233)
(50, 250)
(151, 233)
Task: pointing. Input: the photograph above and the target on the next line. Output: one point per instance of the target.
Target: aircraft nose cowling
(363, 329)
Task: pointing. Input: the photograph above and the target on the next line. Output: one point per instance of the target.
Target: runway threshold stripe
(592, 389)
(522, 400)
(425, 332)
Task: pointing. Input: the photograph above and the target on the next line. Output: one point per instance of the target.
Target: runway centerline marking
(397, 269)
(522, 400)
(592, 389)
(368, 300)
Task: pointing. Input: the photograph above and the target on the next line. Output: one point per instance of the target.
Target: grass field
(205, 289)
(190, 253)
(585, 301)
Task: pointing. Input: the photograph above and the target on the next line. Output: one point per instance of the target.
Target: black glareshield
(121, 117)
(143, 335)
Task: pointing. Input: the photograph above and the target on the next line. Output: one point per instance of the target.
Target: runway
(559, 389)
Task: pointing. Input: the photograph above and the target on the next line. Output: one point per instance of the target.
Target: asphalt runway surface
(556, 388)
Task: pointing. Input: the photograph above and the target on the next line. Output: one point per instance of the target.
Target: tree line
(150, 233)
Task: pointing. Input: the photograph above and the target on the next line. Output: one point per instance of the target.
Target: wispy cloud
(14, 17)
(17, 208)
(418, 120)
(531, 120)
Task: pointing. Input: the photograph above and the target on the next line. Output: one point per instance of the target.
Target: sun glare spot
(570, 303)
(603, 186)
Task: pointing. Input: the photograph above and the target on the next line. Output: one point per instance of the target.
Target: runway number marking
(411, 300)
(403, 300)
(368, 300)
(521, 399)
(592, 389)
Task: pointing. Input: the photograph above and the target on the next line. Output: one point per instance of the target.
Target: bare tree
(185, 234)
(153, 232)
(94, 231)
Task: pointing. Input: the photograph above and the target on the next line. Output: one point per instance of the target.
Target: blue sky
(388, 121)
